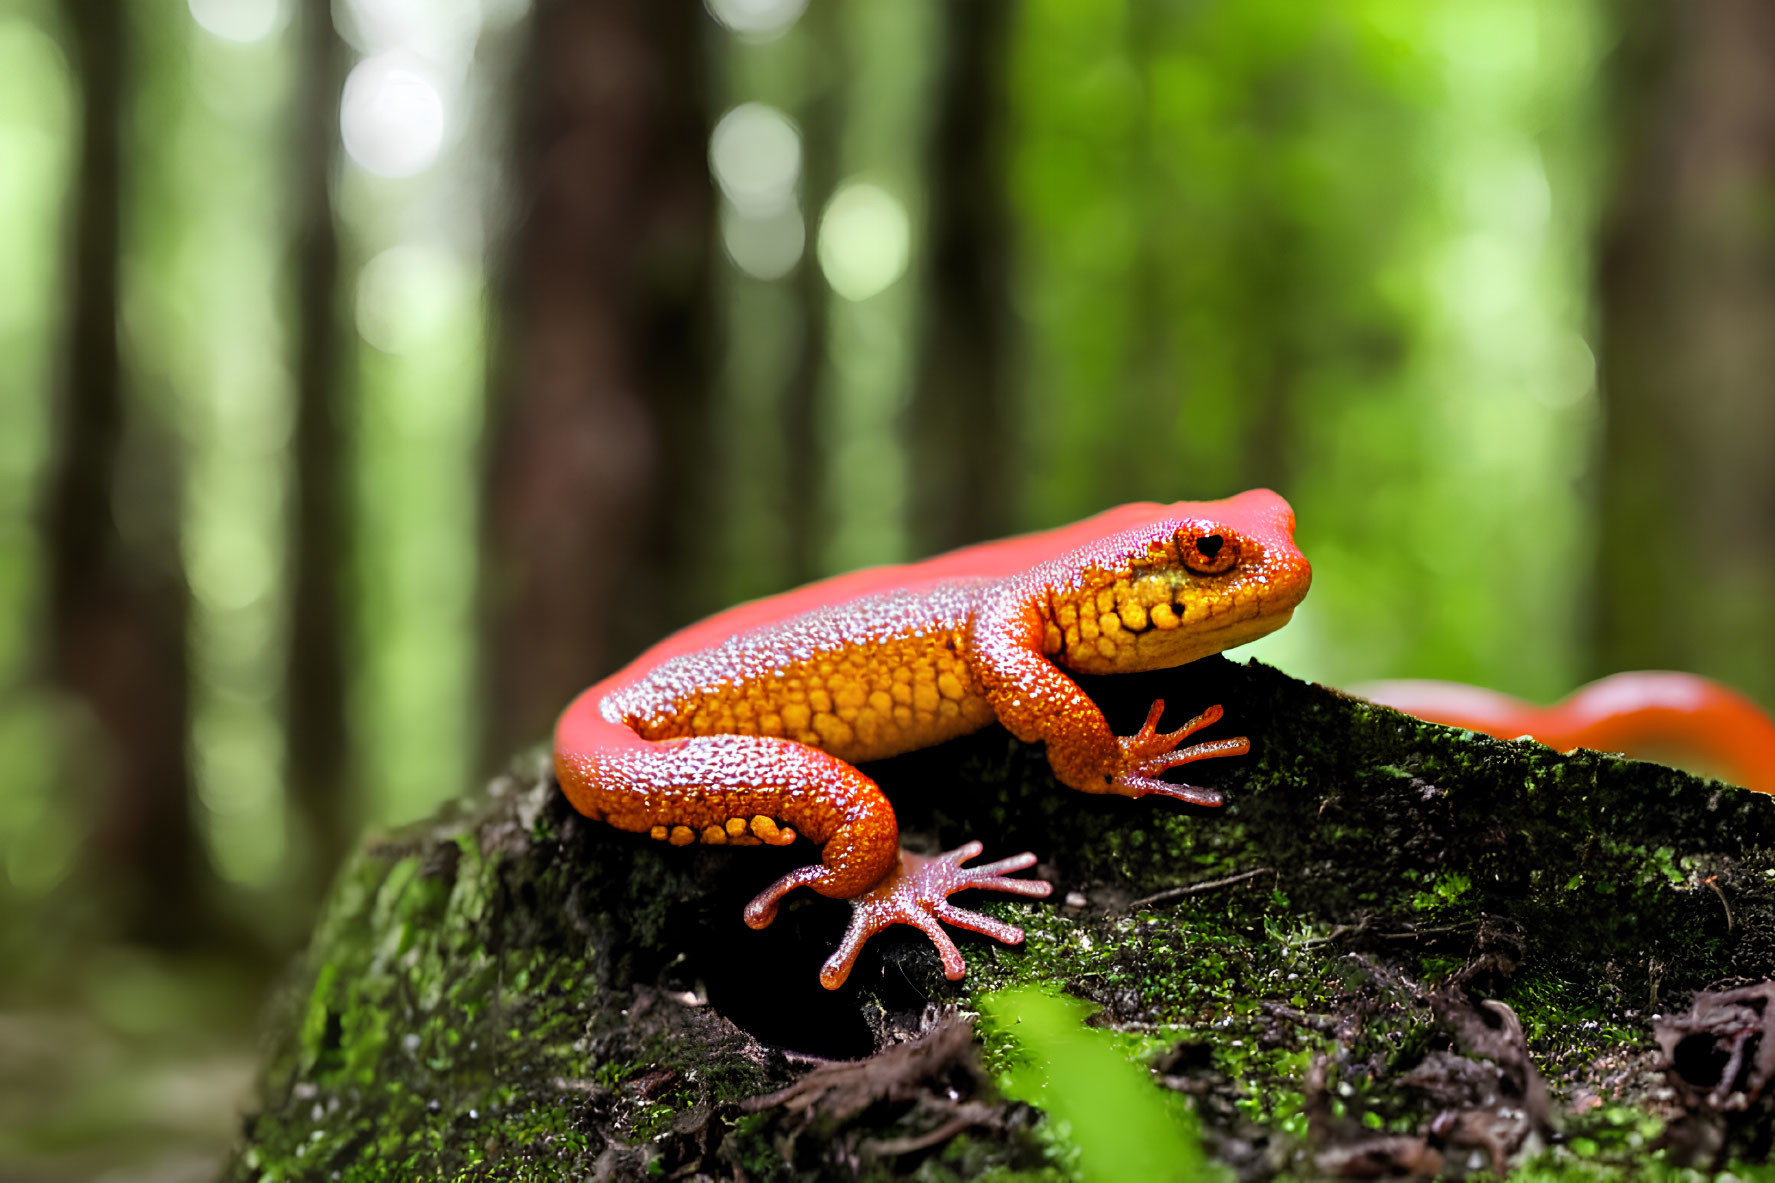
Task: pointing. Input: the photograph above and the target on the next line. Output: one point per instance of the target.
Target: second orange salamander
(746, 728)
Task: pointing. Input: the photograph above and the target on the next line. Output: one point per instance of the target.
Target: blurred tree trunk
(598, 449)
(803, 408)
(117, 601)
(317, 740)
(1686, 571)
(963, 432)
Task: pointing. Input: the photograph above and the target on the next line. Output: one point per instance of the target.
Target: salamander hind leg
(917, 892)
(740, 790)
(755, 790)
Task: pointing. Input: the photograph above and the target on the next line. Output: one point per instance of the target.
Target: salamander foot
(917, 892)
(1151, 752)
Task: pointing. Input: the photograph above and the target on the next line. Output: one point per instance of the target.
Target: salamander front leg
(1150, 752)
(915, 892)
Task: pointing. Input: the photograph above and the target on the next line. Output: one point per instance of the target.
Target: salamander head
(1197, 578)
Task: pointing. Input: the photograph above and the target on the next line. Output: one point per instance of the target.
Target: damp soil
(1398, 950)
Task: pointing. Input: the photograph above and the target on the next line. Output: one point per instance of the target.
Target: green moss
(512, 992)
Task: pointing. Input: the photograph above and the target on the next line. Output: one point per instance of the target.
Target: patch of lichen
(512, 992)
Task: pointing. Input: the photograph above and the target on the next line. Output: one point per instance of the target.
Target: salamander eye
(1206, 554)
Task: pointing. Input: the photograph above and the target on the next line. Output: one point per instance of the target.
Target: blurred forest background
(375, 374)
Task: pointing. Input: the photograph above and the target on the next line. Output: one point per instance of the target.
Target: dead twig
(964, 1116)
(1177, 893)
(1414, 933)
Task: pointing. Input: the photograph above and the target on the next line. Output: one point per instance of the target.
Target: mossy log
(512, 992)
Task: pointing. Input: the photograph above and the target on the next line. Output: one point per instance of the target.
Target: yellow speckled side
(867, 701)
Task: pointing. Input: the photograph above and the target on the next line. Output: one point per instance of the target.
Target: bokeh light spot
(35, 867)
(755, 153)
(441, 31)
(391, 117)
(764, 246)
(230, 567)
(865, 240)
(236, 760)
(757, 20)
(1571, 371)
(406, 295)
(242, 21)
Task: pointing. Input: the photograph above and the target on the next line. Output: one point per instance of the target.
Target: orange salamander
(746, 728)
(1681, 718)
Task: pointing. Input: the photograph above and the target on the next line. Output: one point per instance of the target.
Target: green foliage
(1334, 248)
(1105, 1110)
